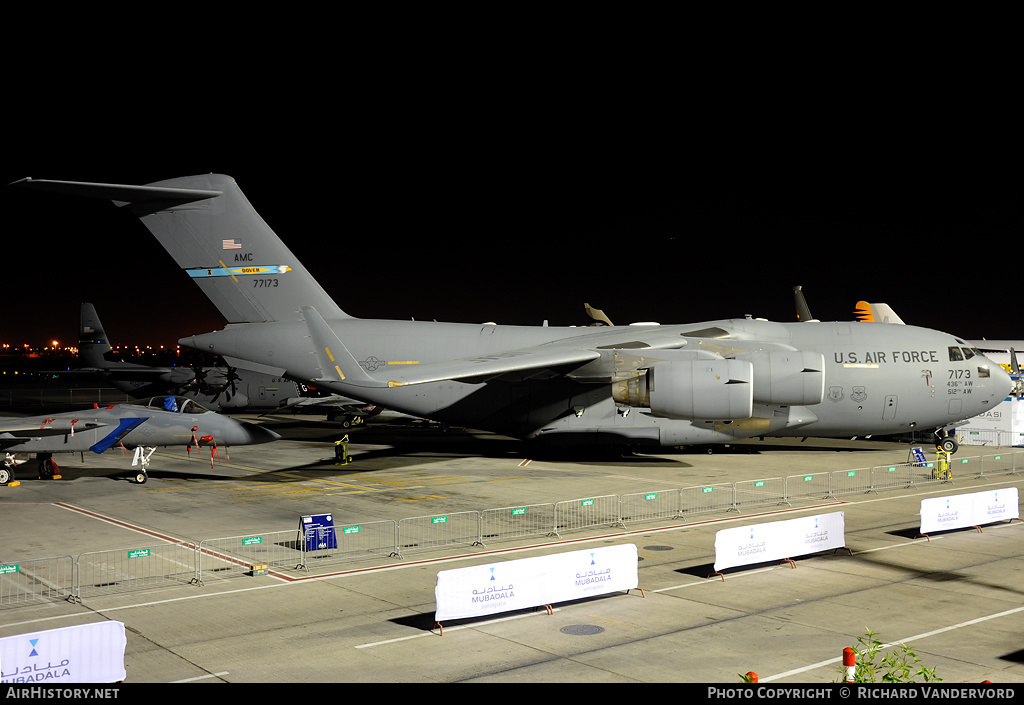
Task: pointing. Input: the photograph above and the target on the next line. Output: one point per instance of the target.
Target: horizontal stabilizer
(140, 199)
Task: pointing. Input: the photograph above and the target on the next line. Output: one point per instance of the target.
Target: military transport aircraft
(668, 385)
(163, 421)
(230, 388)
(1002, 352)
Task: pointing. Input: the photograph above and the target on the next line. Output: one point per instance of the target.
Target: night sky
(517, 213)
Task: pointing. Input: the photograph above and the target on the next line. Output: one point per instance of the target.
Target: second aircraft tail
(92, 339)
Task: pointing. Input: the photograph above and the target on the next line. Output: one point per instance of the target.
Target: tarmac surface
(956, 597)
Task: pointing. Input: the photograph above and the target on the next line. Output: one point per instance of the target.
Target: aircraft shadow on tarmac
(937, 576)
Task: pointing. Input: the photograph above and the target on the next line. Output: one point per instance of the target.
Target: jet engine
(788, 378)
(715, 389)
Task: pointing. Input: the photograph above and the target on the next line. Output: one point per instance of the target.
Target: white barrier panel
(779, 539)
(975, 509)
(532, 582)
(87, 653)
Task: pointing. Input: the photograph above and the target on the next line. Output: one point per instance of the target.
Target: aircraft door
(889, 410)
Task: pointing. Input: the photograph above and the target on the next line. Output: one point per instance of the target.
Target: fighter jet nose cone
(258, 434)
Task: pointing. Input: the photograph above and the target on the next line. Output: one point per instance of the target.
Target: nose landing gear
(947, 443)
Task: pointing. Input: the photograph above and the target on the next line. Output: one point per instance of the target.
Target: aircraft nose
(1002, 382)
(258, 434)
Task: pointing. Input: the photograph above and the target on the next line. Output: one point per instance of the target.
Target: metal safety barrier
(239, 555)
(126, 569)
(650, 506)
(509, 523)
(95, 573)
(344, 543)
(587, 512)
(37, 580)
(439, 530)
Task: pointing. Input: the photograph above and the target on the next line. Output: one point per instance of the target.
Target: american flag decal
(232, 244)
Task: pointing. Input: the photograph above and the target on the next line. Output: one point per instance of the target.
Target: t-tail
(215, 235)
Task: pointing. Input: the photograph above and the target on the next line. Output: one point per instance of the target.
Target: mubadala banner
(532, 582)
(87, 653)
(974, 509)
(779, 539)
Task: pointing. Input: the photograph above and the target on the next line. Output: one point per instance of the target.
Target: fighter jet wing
(22, 429)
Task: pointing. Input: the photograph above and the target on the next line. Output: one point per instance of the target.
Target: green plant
(895, 666)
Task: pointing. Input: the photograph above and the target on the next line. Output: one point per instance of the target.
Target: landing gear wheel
(47, 469)
(6, 475)
(141, 477)
(949, 445)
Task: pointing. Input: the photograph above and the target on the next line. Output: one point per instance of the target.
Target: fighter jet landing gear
(48, 469)
(7, 471)
(141, 457)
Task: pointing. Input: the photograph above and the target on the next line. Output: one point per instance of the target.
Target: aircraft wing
(134, 373)
(338, 364)
(22, 429)
(527, 361)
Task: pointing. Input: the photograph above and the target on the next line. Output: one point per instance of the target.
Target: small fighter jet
(162, 421)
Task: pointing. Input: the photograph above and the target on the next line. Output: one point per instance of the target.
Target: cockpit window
(177, 405)
(954, 354)
(191, 406)
(983, 372)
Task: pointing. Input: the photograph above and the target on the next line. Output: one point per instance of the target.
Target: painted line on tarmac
(120, 523)
(202, 678)
(907, 640)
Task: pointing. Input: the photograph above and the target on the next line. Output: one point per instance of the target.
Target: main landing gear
(7, 470)
(48, 469)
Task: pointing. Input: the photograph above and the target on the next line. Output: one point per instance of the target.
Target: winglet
(336, 363)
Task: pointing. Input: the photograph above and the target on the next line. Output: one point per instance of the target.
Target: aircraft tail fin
(215, 235)
(876, 313)
(92, 339)
(803, 311)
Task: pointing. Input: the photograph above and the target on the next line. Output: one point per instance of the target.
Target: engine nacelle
(789, 378)
(698, 389)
